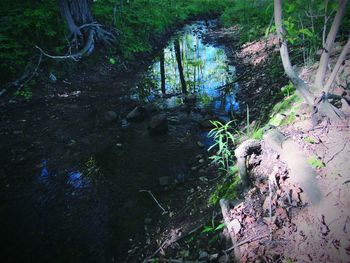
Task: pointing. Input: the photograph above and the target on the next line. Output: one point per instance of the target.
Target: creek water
(93, 210)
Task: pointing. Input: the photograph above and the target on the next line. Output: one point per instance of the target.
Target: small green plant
(288, 89)
(227, 189)
(212, 228)
(112, 61)
(315, 162)
(224, 141)
(25, 92)
(310, 140)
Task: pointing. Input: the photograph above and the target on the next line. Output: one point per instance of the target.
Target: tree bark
(179, 65)
(322, 69)
(162, 72)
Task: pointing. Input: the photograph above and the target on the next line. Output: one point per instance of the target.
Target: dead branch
(342, 149)
(150, 193)
(340, 61)
(248, 240)
(89, 45)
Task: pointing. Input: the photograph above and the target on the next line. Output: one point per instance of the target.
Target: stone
(150, 108)
(158, 124)
(110, 116)
(164, 181)
(236, 225)
(180, 177)
(199, 156)
(201, 161)
(148, 220)
(202, 172)
(190, 99)
(203, 255)
(17, 132)
(137, 114)
(200, 144)
(213, 256)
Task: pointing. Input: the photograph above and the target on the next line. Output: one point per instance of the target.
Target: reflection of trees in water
(187, 65)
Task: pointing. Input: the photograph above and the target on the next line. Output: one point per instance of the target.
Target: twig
(342, 149)
(150, 193)
(248, 240)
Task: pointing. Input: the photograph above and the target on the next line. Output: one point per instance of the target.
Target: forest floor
(275, 221)
(294, 230)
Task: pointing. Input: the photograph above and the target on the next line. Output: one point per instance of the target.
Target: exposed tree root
(247, 148)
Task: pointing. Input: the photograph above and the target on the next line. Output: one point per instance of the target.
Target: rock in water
(164, 181)
(158, 124)
(137, 114)
(110, 116)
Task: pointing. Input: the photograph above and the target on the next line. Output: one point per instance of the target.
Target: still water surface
(90, 211)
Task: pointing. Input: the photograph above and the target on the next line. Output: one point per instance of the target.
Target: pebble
(164, 180)
(148, 220)
(203, 255)
(200, 144)
(201, 160)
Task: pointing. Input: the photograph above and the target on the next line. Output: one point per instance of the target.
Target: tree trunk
(84, 30)
(299, 84)
(322, 108)
(162, 72)
(76, 13)
(179, 65)
(322, 69)
(340, 61)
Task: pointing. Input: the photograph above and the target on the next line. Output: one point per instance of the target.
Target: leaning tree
(317, 96)
(83, 28)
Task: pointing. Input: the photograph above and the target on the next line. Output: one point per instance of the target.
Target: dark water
(89, 211)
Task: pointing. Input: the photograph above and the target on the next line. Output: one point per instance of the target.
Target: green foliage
(303, 22)
(212, 228)
(24, 24)
(226, 189)
(25, 92)
(251, 17)
(252, 132)
(224, 141)
(315, 162)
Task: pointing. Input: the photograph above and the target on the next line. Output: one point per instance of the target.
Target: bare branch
(337, 66)
(76, 56)
(322, 69)
(150, 193)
